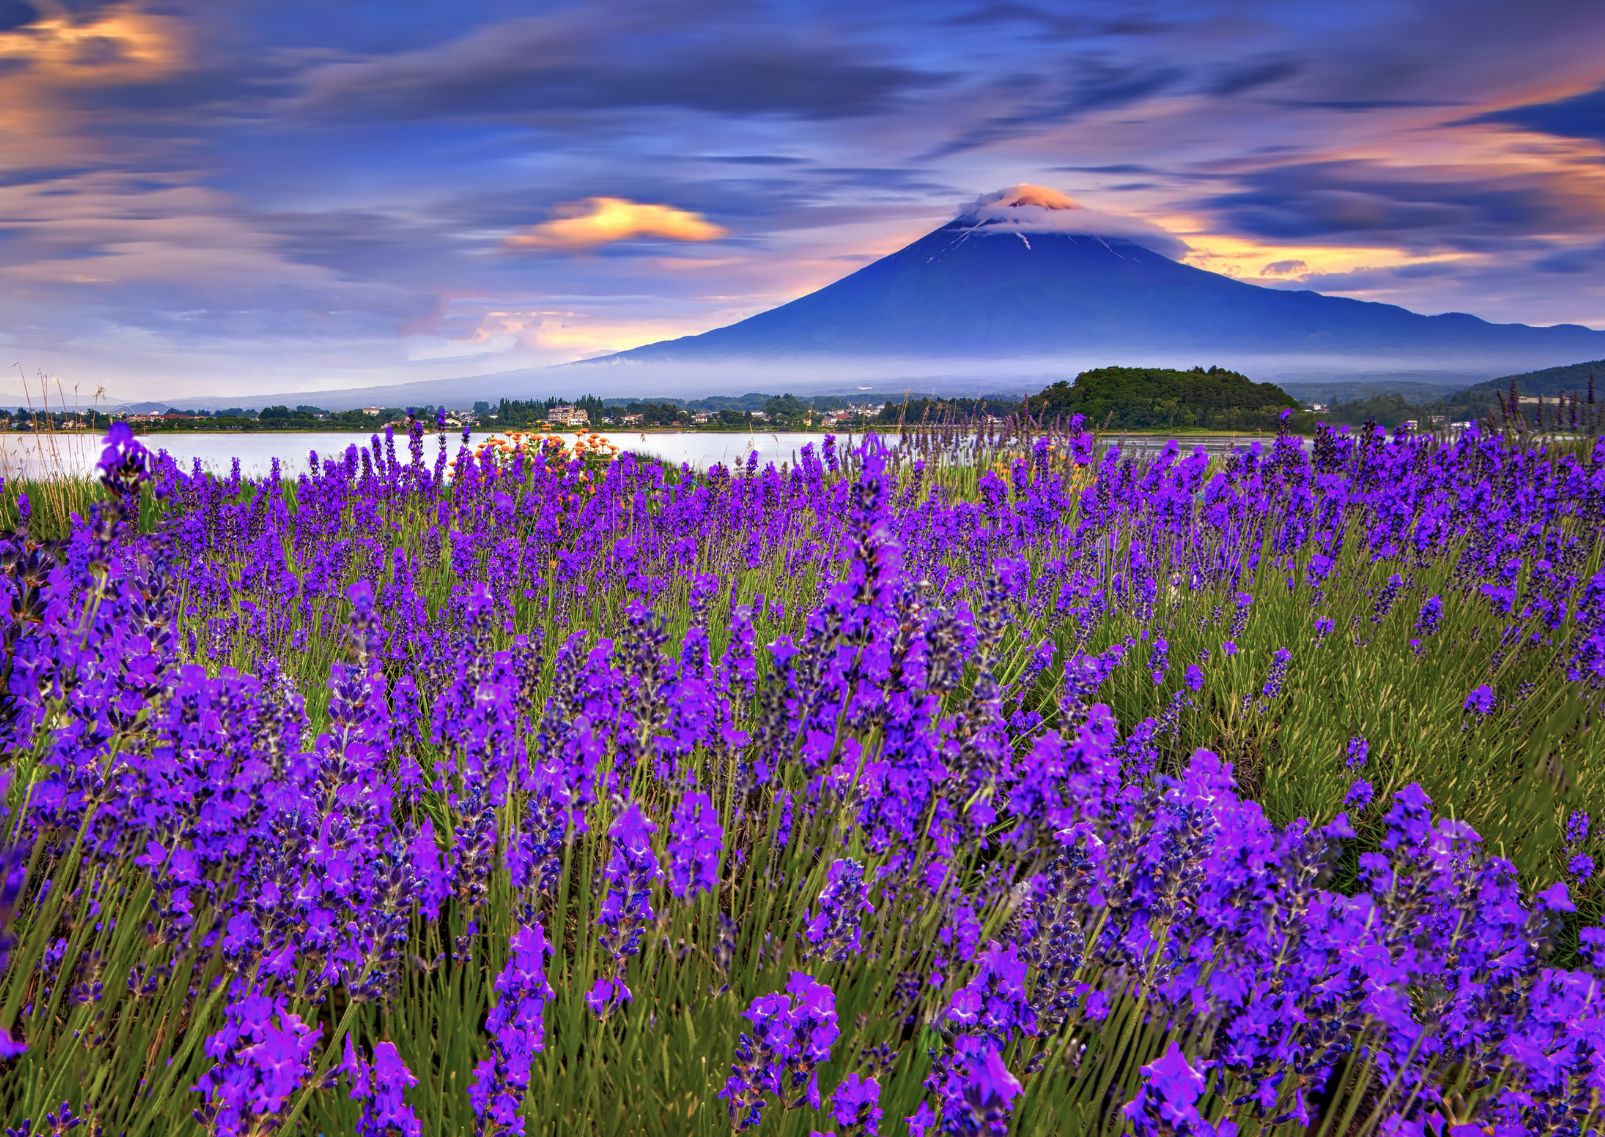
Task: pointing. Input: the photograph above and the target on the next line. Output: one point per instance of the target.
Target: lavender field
(1021, 786)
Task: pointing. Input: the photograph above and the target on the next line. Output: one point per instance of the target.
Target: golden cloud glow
(574, 335)
(120, 45)
(604, 220)
(1248, 259)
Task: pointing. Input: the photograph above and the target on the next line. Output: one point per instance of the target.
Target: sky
(208, 197)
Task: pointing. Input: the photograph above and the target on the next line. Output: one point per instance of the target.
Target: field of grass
(1022, 788)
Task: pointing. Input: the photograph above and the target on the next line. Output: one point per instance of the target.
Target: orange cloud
(1249, 259)
(120, 45)
(45, 62)
(604, 220)
(574, 335)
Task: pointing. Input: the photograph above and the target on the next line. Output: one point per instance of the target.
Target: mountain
(1572, 379)
(1584, 382)
(1028, 275)
(1022, 288)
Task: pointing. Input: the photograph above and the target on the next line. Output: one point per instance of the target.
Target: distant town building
(566, 414)
(372, 410)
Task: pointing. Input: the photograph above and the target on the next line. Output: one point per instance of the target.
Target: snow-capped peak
(1026, 196)
(1027, 208)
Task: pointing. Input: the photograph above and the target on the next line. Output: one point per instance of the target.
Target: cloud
(121, 44)
(1496, 289)
(233, 189)
(604, 220)
(1574, 261)
(566, 334)
(535, 68)
(1094, 84)
(754, 159)
(1057, 25)
(16, 13)
(1425, 207)
(1240, 79)
(1576, 116)
(1360, 106)
(1037, 209)
(66, 76)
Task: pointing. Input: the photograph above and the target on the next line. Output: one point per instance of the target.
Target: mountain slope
(1572, 379)
(1021, 281)
(965, 292)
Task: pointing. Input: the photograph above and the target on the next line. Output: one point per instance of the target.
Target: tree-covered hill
(1574, 379)
(1155, 397)
(1535, 396)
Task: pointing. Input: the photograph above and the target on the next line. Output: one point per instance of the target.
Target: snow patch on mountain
(1027, 208)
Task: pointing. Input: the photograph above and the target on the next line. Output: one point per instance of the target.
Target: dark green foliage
(1134, 398)
(934, 409)
(1556, 397)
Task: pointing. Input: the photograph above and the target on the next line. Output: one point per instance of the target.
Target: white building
(566, 414)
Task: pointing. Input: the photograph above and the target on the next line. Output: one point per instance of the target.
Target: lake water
(34, 455)
(43, 455)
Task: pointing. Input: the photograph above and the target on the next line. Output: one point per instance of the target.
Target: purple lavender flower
(856, 1106)
(993, 1003)
(1359, 752)
(13, 869)
(1555, 898)
(1481, 700)
(606, 995)
(1159, 661)
(1166, 1102)
(1384, 601)
(626, 907)
(1430, 614)
(1359, 795)
(380, 1086)
(124, 461)
(789, 1039)
(1277, 674)
(1577, 825)
(517, 1030)
(695, 842)
(834, 930)
(261, 1055)
(975, 1095)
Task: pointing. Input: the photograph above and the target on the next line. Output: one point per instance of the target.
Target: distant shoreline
(876, 428)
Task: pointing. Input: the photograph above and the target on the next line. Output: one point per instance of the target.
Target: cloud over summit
(1027, 208)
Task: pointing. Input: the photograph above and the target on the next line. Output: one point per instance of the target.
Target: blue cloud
(1578, 116)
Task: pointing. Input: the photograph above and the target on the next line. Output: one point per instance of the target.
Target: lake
(31, 455)
(36, 455)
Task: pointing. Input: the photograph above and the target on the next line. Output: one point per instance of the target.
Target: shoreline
(879, 428)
